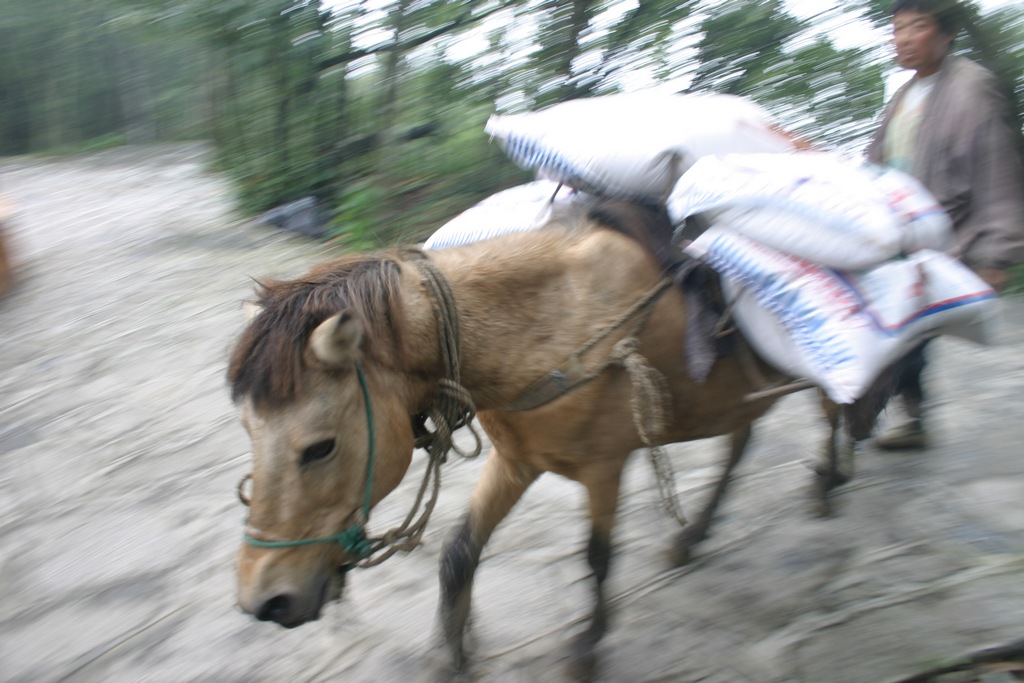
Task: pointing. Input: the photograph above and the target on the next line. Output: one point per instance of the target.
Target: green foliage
(1016, 283)
(432, 179)
(76, 70)
(354, 221)
(561, 27)
(997, 40)
(362, 105)
(742, 45)
(97, 144)
(828, 95)
(756, 49)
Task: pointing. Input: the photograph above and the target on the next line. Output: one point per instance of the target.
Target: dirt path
(119, 454)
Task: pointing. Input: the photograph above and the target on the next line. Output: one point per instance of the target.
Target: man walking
(950, 127)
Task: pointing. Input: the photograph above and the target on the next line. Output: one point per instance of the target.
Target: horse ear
(335, 341)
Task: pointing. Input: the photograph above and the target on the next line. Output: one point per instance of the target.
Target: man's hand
(996, 278)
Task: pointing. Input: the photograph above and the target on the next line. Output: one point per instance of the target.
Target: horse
(567, 342)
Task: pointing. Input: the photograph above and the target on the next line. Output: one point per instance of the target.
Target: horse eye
(318, 451)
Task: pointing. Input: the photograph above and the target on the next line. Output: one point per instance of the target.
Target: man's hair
(947, 13)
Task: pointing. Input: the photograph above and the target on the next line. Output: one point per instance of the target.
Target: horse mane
(267, 360)
(266, 363)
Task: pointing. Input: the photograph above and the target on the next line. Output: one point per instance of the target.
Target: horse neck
(525, 304)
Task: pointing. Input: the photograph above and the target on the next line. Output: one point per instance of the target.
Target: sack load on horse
(633, 146)
(832, 267)
(843, 329)
(815, 206)
(519, 208)
(840, 329)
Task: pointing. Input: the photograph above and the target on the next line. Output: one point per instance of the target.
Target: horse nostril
(275, 609)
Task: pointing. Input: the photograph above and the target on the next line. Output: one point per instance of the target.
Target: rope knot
(650, 402)
(355, 542)
(626, 350)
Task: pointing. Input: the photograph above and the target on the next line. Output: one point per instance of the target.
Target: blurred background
(377, 108)
(120, 449)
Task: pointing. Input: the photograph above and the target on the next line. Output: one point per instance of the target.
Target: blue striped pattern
(552, 163)
(517, 209)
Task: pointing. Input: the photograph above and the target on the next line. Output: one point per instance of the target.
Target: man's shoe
(909, 435)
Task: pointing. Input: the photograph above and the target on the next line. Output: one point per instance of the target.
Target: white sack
(635, 145)
(815, 206)
(841, 330)
(517, 209)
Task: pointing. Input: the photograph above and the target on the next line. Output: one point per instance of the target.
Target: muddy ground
(120, 452)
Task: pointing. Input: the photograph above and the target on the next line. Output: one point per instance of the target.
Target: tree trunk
(387, 138)
(134, 92)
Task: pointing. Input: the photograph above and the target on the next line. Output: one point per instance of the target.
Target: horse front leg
(603, 495)
(501, 484)
(697, 531)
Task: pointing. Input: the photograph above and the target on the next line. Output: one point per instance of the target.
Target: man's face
(920, 43)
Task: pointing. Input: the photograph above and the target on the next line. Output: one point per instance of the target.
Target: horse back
(611, 274)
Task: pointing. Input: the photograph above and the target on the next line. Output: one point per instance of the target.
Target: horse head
(330, 431)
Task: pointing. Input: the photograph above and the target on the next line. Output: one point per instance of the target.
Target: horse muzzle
(291, 606)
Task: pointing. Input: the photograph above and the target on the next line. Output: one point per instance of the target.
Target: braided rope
(650, 394)
(649, 402)
(452, 409)
(643, 304)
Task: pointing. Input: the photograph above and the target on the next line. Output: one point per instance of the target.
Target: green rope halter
(352, 539)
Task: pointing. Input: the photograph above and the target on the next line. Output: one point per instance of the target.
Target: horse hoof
(460, 676)
(839, 478)
(582, 666)
(821, 503)
(826, 479)
(681, 555)
(682, 551)
(449, 655)
(441, 667)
